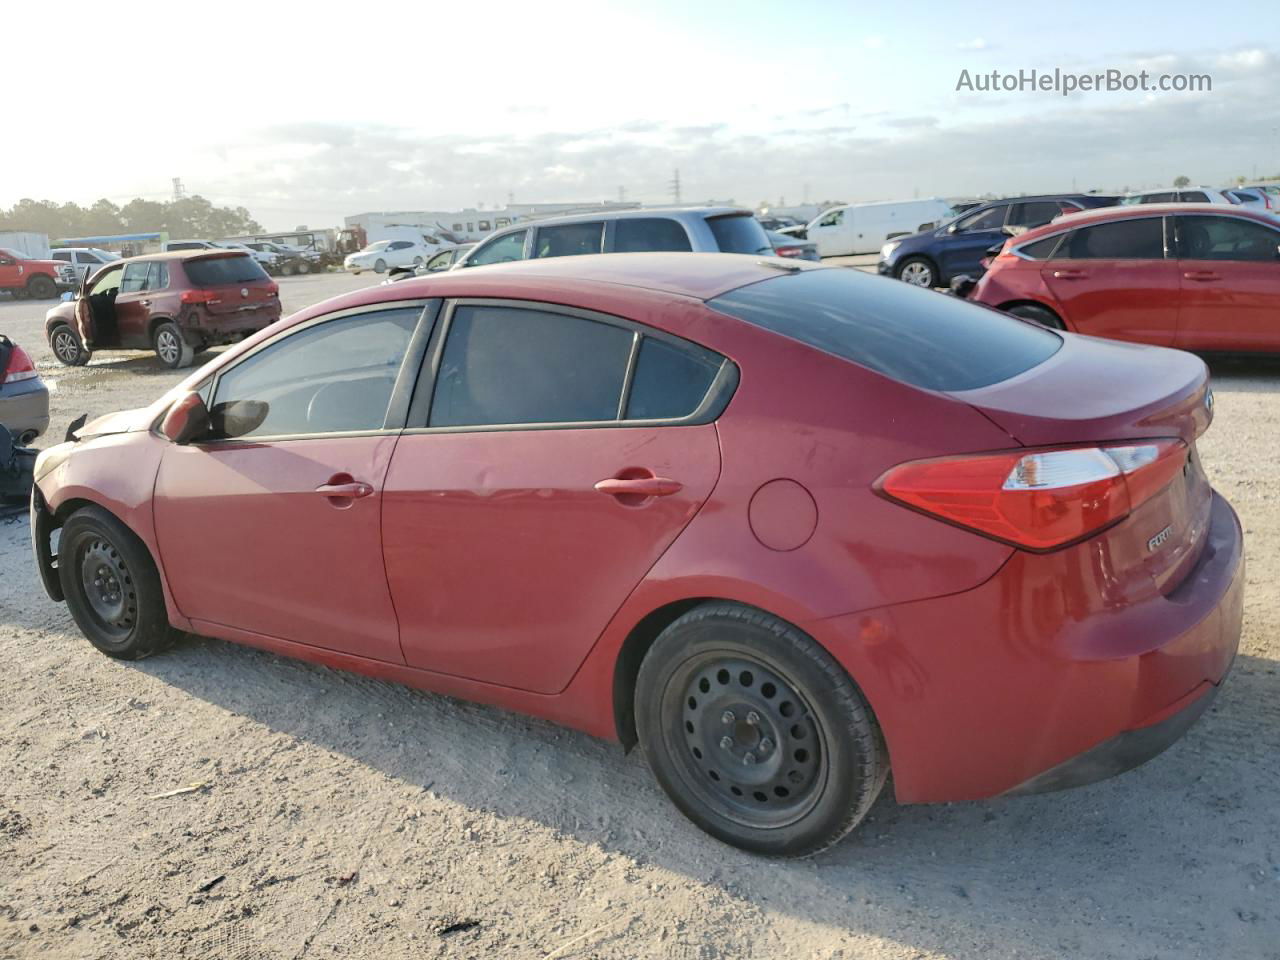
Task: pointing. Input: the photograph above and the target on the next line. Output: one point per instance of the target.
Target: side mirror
(953, 228)
(186, 420)
(66, 296)
(237, 418)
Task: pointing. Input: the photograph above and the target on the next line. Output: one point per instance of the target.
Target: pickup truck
(37, 279)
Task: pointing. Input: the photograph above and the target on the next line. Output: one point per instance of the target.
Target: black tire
(304, 267)
(1041, 315)
(917, 271)
(756, 733)
(67, 346)
(112, 587)
(41, 287)
(380, 266)
(172, 349)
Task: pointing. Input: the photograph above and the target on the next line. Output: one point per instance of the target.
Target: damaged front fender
(43, 524)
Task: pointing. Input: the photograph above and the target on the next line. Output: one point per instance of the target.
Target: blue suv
(933, 258)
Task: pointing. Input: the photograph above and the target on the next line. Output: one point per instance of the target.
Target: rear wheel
(1041, 315)
(111, 586)
(918, 272)
(756, 733)
(41, 287)
(304, 267)
(171, 347)
(67, 346)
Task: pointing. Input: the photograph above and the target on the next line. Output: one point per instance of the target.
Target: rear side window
(1120, 240)
(503, 365)
(913, 335)
(157, 276)
(135, 277)
(1041, 249)
(569, 239)
(217, 271)
(1034, 213)
(739, 233)
(670, 382)
(1167, 197)
(63, 255)
(1193, 196)
(649, 233)
(1226, 238)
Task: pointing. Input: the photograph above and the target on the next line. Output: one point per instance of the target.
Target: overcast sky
(305, 116)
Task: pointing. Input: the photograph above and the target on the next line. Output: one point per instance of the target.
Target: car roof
(676, 213)
(1136, 210)
(202, 253)
(884, 203)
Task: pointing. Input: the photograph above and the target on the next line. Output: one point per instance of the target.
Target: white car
(1178, 195)
(384, 254)
(866, 227)
(85, 260)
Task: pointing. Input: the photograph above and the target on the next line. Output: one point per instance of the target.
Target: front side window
(832, 219)
(108, 281)
(87, 258)
(649, 233)
(503, 365)
(502, 249)
(135, 277)
(63, 255)
(484, 225)
(1163, 197)
(992, 219)
(330, 377)
(1226, 238)
(399, 245)
(569, 239)
(1136, 239)
(440, 261)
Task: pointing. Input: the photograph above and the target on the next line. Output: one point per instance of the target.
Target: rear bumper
(1038, 679)
(24, 407)
(209, 328)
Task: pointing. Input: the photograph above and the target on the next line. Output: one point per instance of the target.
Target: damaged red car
(788, 528)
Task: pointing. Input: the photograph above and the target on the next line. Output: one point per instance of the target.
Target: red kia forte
(788, 528)
(1197, 276)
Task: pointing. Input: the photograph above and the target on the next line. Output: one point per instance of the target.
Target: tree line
(184, 218)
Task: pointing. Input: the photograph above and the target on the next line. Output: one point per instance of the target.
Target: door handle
(639, 487)
(1069, 274)
(1202, 275)
(145, 303)
(344, 489)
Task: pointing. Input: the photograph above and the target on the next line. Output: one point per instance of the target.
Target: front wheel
(756, 733)
(172, 348)
(304, 267)
(67, 346)
(918, 272)
(1041, 315)
(380, 266)
(111, 586)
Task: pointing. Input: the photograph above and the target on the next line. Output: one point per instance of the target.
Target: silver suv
(693, 229)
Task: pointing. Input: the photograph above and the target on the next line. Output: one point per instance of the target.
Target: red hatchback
(786, 527)
(1197, 276)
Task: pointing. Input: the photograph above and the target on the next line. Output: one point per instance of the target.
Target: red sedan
(786, 527)
(1197, 276)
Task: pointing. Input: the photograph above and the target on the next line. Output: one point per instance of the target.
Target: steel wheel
(747, 740)
(108, 587)
(917, 273)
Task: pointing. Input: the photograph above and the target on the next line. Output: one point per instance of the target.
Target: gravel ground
(334, 815)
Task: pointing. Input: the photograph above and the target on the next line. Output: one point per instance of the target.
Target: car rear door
(1229, 274)
(557, 457)
(1113, 280)
(276, 530)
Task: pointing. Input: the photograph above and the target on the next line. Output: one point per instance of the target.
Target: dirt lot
(338, 816)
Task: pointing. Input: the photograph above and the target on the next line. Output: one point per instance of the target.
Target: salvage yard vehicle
(933, 258)
(1196, 276)
(382, 254)
(695, 229)
(177, 304)
(86, 260)
(24, 277)
(24, 398)
(1180, 195)
(658, 498)
(864, 227)
(788, 246)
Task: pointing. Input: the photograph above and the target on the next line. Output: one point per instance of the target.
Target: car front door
(1229, 271)
(967, 240)
(831, 233)
(558, 456)
(95, 308)
(273, 528)
(1113, 280)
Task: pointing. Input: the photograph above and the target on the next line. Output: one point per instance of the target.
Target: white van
(866, 227)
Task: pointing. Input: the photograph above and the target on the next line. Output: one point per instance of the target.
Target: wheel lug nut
(753, 718)
(727, 717)
(766, 745)
(749, 759)
(726, 743)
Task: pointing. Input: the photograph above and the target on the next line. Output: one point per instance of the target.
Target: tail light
(1037, 499)
(19, 366)
(788, 251)
(272, 288)
(198, 296)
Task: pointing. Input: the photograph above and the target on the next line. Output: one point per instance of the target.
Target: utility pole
(675, 187)
(179, 191)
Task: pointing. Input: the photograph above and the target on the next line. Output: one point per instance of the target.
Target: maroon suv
(176, 303)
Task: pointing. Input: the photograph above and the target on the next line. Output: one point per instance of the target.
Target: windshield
(104, 254)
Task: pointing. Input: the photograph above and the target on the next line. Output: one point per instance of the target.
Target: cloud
(977, 43)
(910, 123)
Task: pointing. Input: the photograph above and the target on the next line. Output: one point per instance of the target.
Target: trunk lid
(1106, 392)
(236, 281)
